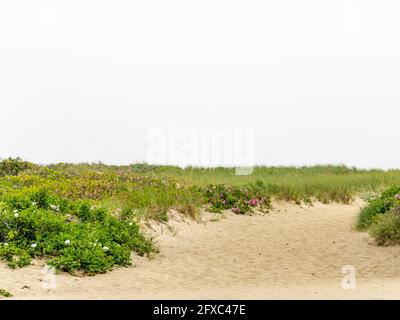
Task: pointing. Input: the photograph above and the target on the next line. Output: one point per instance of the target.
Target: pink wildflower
(253, 203)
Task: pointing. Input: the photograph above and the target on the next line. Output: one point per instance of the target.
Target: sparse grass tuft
(5, 293)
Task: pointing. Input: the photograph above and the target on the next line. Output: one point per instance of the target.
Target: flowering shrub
(240, 200)
(34, 223)
(381, 217)
(389, 200)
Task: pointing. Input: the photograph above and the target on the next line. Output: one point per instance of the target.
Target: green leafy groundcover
(381, 217)
(73, 235)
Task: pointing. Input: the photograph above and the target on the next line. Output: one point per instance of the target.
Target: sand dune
(291, 253)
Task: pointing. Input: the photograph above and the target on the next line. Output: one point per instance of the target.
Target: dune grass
(298, 184)
(86, 216)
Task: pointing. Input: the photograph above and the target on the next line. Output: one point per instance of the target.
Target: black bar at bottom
(201, 309)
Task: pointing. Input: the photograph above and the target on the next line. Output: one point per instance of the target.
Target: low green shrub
(378, 206)
(381, 217)
(71, 235)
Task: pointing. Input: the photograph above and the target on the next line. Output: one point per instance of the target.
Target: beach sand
(291, 253)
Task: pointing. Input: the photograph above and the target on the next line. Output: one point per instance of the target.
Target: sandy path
(291, 253)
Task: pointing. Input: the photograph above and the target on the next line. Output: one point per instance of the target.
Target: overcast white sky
(318, 81)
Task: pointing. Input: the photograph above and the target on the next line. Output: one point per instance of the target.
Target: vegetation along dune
(92, 231)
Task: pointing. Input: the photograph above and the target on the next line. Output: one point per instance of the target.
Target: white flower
(67, 242)
(34, 245)
(16, 215)
(15, 211)
(5, 243)
(34, 203)
(54, 207)
(130, 223)
(106, 248)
